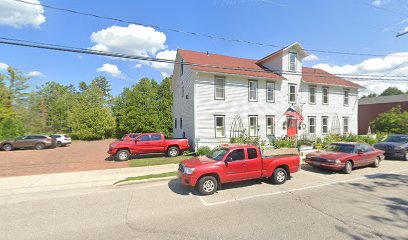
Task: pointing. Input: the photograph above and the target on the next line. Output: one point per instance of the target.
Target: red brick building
(370, 108)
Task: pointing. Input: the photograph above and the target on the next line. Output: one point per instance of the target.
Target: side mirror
(228, 159)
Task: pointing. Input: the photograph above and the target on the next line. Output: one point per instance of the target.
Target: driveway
(80, 156)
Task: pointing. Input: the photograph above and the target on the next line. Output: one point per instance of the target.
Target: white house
(216, 96)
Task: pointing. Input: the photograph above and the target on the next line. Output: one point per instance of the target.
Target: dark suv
(38, 142)
(394, 146)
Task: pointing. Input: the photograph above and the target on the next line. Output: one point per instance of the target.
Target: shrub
(244, 138)
(10, 128)
(393, 121)
(203, 150)
(282, 143)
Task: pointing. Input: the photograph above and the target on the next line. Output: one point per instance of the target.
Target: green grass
(157, 161)
(150, 176)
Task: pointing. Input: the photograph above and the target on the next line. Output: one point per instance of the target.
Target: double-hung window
(219, 126)
(312, 125)
(252, 90)
(325, 125)
(346, 97)
(175, 123)
(292, 62)
(219, 88)
(253, 126)
(345, 125)
(270, 94)
(181, 123)
(270, 120)
(325, 93)
(292, 93)
(312, 94)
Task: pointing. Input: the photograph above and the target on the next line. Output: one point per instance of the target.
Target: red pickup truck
(147, 143)
(232, 163)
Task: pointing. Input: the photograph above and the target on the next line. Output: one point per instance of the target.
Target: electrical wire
(196, 33)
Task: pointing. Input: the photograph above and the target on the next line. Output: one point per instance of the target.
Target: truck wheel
(376, 162)
(173, 151)
(279, 176)
(7, 147)
(348, 167)
(207, 185)
(123, 155)
(39, 146)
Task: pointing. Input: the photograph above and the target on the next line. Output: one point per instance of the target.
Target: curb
(131, 182)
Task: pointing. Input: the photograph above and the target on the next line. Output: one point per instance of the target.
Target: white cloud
(35, 74)
(3, 66)
(112, 70)
(166, 69)
(133, 39)
(17, 14)
(139, 65)
(311, 58)
(377, 3)
(390, 67)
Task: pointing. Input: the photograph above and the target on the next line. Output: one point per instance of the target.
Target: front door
(292, 127)
(142, 144)
(236, 166)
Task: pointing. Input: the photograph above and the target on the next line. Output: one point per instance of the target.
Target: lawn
(152, 161)
(150, 176)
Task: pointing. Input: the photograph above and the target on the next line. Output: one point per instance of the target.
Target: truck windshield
(217, 153)
(340, 148)
(397, 139)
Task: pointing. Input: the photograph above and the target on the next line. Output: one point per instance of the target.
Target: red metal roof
(248, 67)
(319, 76)
(220, 61)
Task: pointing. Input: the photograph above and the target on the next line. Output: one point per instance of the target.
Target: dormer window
(292, 62)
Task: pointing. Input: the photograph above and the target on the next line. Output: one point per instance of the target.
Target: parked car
(232, 163)
(38, 142)
(345, 156)
(130, 136)
(394, 146)
(62, 139)
(148, 143)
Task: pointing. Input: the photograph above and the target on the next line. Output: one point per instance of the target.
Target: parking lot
(80, 156)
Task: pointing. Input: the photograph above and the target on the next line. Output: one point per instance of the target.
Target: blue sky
(363, 26)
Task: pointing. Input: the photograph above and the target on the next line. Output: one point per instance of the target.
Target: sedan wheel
(348, 167)
(376, 162)
(207, 185)
(39, 146)
(406, 156)
(7, 147)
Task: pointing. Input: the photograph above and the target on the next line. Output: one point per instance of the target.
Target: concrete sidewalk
(56, 181)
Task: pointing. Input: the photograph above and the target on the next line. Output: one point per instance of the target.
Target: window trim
(348, 125)
(314, 87)
(175, 123)
(215, 125)
(327, 132)
(181, 123)
(344, 97)
(215, 87)
(273, 125)
(328, 93)
(308, 122)
(273, 91)
(290, 85)
(294, 63)
(256, 126)
(181, 67)
(249, 90)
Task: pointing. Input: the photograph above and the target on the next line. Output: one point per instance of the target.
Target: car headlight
(113, 145)
(334, 161)
(188, 171)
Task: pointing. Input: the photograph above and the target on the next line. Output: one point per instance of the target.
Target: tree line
(87, 112)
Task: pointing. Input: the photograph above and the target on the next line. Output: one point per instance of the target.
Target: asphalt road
(367, 204)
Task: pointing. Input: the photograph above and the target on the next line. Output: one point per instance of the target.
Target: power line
(31, 44)
(196, 33)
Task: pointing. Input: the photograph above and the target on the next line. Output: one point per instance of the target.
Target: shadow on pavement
(178, 188)
(142, 156)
